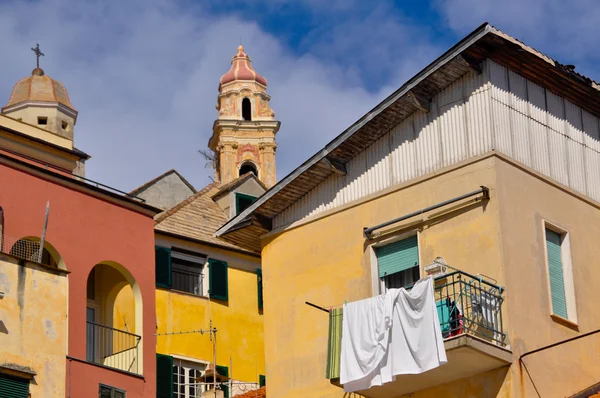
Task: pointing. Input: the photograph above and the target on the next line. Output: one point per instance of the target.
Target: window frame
(567, 268)
(377, 284)
(187, 364)
(112, 390)
(238, 196)
(179, 257)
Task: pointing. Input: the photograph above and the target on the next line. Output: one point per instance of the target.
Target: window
(242, 202)
(180, 269)
(248, 167)
(65, 125)
(29, 250)
(185, 375)
(560, 279)
(110, 392)
(14, 387)
(42, 121)
(187, 271)
(398, 263)
(246, 109)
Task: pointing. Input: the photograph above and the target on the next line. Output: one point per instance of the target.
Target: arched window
(248, 167)
(246, 109)
(29, 249)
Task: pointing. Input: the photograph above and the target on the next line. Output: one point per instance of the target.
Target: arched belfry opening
(246, 109)
(248, 167)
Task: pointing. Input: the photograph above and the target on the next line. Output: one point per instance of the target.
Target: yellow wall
(239, 323)
(526, 201)
(33, 316)
(327, 261)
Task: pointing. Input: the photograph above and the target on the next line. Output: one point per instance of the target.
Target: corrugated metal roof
(485, 42)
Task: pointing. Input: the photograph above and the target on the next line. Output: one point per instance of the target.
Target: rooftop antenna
(38, 53)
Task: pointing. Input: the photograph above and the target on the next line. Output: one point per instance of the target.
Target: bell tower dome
(243, 137)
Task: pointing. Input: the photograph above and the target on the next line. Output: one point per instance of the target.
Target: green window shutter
(224, 371)
(260, 288)
(334, 344)
(13, 387)
(164, 376)
(217, 280)
(262, 380)
(555, 271)
(162, 256)
(242, 202)
(398, 256)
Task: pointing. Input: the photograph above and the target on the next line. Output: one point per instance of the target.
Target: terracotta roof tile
(260, 393)
(197, 217)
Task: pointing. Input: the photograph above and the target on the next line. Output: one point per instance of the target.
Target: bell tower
(243, 137)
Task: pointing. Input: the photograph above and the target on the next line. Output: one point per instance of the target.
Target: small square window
(110, 392)
(42, 121)
(65, 125)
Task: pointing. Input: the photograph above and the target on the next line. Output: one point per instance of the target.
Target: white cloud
(144, 75)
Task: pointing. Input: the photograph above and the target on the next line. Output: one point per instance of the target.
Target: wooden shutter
(13, 387)
(555, 272)
(262, 380)
(163, 266)
(398, 256)
(164, 376)
(217, 280)
(224, 371)
(260, 288)
(242, 202)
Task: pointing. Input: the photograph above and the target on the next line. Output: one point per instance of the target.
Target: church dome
(241, 69)
(39, 88)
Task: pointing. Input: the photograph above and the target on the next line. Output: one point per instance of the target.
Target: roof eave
(439, 62)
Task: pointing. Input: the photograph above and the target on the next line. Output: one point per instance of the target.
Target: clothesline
(478, 277)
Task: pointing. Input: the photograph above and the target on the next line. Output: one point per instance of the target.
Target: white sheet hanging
(391, 334)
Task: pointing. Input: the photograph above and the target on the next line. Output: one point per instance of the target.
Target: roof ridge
(185, 202)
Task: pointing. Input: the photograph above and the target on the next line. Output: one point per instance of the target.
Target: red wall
(86, 231)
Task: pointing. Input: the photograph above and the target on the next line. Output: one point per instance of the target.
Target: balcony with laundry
(469, 310)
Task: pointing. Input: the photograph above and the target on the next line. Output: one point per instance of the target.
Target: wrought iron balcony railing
(112, 347)
(466, 304)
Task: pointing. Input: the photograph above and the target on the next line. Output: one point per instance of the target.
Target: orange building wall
(85, 231)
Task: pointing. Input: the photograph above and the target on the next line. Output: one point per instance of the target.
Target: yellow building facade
(209, 292)
(488, 170)
(33, 327)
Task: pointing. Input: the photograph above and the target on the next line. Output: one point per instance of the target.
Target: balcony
(470, 313)
(111, 347)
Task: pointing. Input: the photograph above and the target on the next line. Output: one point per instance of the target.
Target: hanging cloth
(391, 334)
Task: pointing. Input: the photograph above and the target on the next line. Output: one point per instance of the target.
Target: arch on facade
(114, 318)
(248, 166)
(29, 247)
(246, 109)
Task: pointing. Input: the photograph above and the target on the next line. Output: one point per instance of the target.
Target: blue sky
(143, 74)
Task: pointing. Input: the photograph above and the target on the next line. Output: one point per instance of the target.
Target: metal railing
(465, 303)
(112, 347)
(469, 304)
